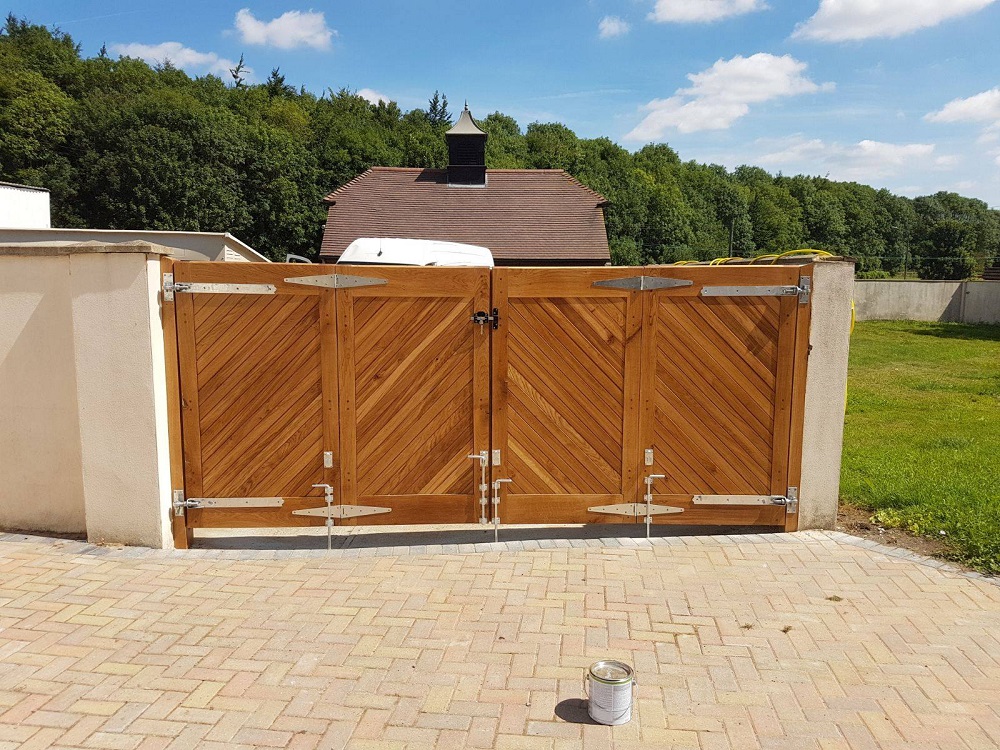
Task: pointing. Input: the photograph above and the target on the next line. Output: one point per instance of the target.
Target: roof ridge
(332, 197)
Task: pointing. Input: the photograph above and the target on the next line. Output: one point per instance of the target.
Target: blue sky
(903, 94)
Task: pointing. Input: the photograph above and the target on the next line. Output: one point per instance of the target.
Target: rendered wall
(41, 471)
(83, 395)
(982, 302)
(826, 390)
(941, 301)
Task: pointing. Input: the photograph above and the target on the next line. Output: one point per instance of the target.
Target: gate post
(826, 386)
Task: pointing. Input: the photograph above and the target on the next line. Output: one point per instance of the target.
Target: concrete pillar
(826, 391)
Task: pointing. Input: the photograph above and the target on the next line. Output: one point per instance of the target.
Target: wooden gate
(379, 390)
(565, 393)
(414, 395)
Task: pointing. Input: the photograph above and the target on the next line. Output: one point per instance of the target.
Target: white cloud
(612, 26)
(373, 96)
(180, 56)
(702, 11)
(862, 161)
(722, 94)
(846, 20)
(984, 107)
(288, 31)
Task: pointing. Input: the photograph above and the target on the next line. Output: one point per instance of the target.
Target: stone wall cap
(50, 248)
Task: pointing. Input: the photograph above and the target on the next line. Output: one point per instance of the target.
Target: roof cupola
(466, 151)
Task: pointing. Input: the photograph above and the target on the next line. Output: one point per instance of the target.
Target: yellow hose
(820, 253)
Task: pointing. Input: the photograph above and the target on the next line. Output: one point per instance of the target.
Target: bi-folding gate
(369, 394)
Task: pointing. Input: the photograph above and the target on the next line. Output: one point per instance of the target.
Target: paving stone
(735, 642)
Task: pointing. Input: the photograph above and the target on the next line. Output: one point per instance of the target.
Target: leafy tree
(945, 254)
(122, 144)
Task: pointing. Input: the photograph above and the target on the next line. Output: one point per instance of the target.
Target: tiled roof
(524, 215)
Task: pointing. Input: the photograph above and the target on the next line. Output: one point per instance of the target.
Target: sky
(902, 94)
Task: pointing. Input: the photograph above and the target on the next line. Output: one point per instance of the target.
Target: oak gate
(370, 394)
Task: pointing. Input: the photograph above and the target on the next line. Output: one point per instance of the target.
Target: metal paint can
(609, 692)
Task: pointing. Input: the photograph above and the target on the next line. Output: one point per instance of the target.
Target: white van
(395, 251)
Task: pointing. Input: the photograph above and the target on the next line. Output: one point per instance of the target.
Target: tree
(945, 254)
(437, 110)
(238, 73)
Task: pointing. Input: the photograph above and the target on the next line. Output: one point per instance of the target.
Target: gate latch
(482, 317)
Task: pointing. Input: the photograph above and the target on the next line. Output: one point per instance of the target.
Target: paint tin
(609, 692)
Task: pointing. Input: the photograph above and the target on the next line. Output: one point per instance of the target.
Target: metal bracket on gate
(642, 283)
(789, 501)
(170, 287)
(342, 511)
(645, 509)
(337, 281)
(803, 292)
(180, 503)
(634, 509)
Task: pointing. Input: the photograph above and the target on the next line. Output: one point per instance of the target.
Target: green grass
(922, 438)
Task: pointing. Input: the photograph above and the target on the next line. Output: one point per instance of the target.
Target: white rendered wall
(41, 471)
(83, 395)
(23, 208)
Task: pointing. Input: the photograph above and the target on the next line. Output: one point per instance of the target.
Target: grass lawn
(922, 439)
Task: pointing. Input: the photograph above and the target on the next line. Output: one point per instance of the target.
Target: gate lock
(482, 317)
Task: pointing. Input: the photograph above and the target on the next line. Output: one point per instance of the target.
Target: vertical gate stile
(498, 377)
(788, 309)
(190, 416)
(330, 379)
(632, 447)
(482, 342)
(346, 397)
(803, 323)
(178, 523)
(647, 387)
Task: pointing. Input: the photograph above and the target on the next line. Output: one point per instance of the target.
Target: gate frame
(182, 529)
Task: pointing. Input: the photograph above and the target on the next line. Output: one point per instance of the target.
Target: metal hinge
(482, 317)
(789, 501)
(739, 500)
(790, 290)
(634, 510)
(792, 501)
(180, 503)
(342, 511)
(171, 287)
(642, 283)
(337, 281)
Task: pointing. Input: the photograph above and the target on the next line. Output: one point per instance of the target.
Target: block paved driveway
(784, 641)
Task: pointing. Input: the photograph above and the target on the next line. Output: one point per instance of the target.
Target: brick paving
(813, 640)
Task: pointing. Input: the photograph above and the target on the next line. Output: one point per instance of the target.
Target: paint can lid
(611, 672)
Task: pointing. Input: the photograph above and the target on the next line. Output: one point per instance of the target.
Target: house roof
(524, 215)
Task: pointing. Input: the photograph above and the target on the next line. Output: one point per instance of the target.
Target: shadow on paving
(363, 538)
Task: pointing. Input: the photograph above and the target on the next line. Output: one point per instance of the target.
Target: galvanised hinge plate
(179, 503)
(337, 281)
(634, 509)
(803, 292)
(171, 287)
(342, 511)
(792, 502)
(642, 283)
(739, 500)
